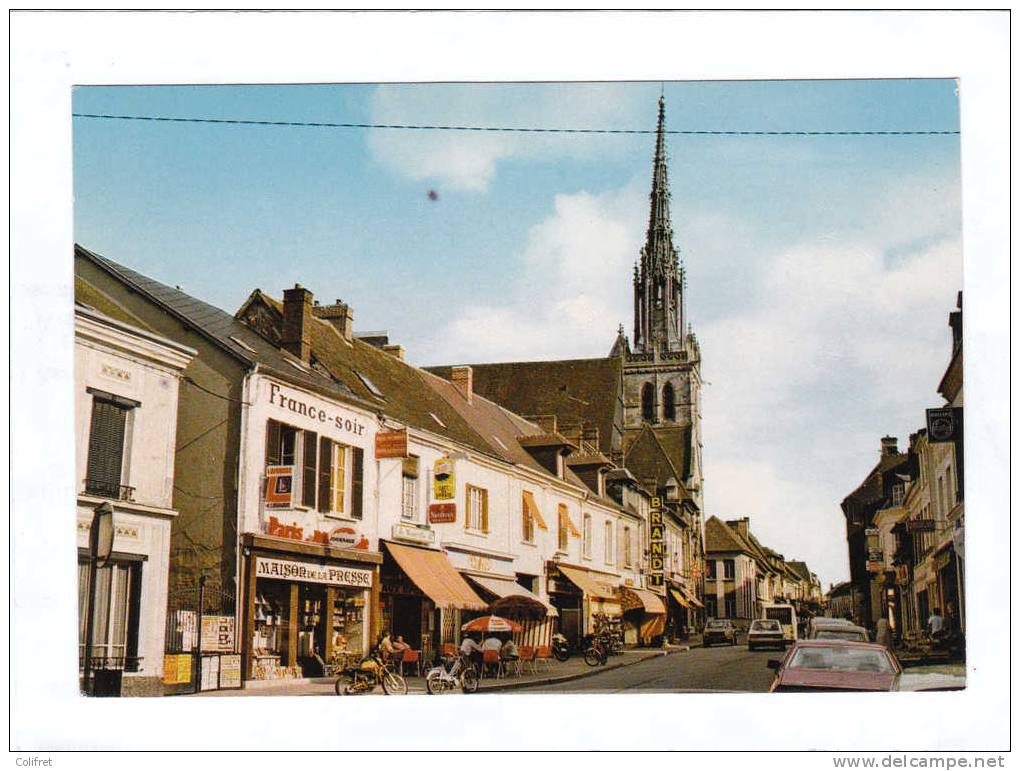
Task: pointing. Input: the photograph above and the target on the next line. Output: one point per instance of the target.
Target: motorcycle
(460, 674)
(560, 647)
(372, 671)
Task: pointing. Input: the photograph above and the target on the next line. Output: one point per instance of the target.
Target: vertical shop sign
(444, 486)
(656, 546)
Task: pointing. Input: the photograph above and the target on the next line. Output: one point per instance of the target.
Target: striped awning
(679, 597)
(596, 585)
(650, 602)
(532, 508)
(432, 572)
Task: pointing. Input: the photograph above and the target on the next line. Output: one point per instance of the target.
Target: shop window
(114, 617)
(586, 535)
(730, 605)
(477, 509)
(729, 569)
(609, 542)
(109, 431)
(409, 489)
(627, 556)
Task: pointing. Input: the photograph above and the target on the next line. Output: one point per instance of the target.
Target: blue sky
(820, 269)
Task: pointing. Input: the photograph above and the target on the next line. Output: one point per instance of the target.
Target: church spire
(658, 285)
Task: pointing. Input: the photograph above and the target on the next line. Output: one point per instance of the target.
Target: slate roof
(574, 390)
(801, 570)
(650, 460)
(218, 327)
(871, 490)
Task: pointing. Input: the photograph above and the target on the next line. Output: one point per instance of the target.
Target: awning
(511, 595)
(690, 599)
(532, 508)
(432, 572)
(590, 583)
(571, 527)
(650, 602)
(679, 597)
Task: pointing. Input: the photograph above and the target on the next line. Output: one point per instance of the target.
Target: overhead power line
(510, 129)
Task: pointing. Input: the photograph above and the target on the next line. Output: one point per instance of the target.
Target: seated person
(492, 643)
(386, 646)
(509, 650)
(400, 645)
(470, 649)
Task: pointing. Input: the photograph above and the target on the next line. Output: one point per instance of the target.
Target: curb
(512, 685)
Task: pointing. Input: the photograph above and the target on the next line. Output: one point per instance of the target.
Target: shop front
(306, 606)
(423, 597)
(644, 616)
(684, 609)
(583, 598)
(507, 598)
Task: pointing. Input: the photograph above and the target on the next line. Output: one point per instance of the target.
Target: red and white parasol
(491, 624)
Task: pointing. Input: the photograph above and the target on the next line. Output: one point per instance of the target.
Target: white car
(765, 632)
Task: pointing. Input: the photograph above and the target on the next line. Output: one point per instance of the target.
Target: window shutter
(357, 482)
(325, 472)
(308, 463)
(272, 443)
(485, 511)
(106, 449)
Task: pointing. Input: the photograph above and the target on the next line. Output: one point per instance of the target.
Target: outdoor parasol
(491, 624)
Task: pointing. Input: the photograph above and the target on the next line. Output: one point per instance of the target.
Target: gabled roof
(574, 390)
(720, 537)
(871, 490)
(650, 461)
(801, 570)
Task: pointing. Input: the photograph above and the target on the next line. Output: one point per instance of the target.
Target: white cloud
(467, 160)
(834, 345)
(573, 288)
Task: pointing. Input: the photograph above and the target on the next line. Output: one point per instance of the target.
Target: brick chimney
(742, 525)
(340, 315)
(463, 381)
(889, 446)
(297, 322)
(394, 350)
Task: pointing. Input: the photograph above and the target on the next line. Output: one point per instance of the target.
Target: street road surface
(718, 669)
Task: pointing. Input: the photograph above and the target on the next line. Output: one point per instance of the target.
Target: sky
(820, 269)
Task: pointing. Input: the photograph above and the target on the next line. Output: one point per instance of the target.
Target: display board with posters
(217, 634)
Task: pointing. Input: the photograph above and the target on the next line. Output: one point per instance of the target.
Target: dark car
(765, 632)
(835, 665)
(719, 630)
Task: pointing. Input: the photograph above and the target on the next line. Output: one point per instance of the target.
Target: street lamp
(100, 547)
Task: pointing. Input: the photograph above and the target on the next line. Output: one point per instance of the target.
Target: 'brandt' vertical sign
(656, 545)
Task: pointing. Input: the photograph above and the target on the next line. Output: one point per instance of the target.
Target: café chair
(490, 658)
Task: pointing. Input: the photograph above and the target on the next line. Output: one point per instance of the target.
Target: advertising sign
(920, 525)
(656, 545)
(217, 634)
(391, 444)
(347, 538)
(230, 670)
(290, 570)
(405, 531)
(210, 673)
(444, 486)
(279, 485)
(945, 424)
(177, 669)
(442, 512)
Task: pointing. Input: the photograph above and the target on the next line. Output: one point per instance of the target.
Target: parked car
(719, 630)
(835, 665)
(836, 629)
(765, 632)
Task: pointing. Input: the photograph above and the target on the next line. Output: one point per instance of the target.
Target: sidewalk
(558, 672)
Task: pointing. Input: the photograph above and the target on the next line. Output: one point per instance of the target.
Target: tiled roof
(720, 537)
(574, 390)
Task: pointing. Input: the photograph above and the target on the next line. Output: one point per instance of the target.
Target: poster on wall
(279, 485)
(230, 670)
(444, 486)
(217, 634)
(210, 673)
(177, 669)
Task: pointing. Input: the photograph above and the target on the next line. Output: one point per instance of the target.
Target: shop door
(407, 619)
(570, 624)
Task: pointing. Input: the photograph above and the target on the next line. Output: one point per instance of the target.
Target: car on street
(812, 666)
(719, 630)
(765, 632)
(836, 629)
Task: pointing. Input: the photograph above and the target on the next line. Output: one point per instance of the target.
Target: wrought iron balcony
(102, 488)
(121, 663)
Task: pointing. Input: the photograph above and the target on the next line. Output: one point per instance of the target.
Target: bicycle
(462, 674)
(596, 652)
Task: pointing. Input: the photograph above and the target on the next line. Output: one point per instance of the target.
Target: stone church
(646, 395)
